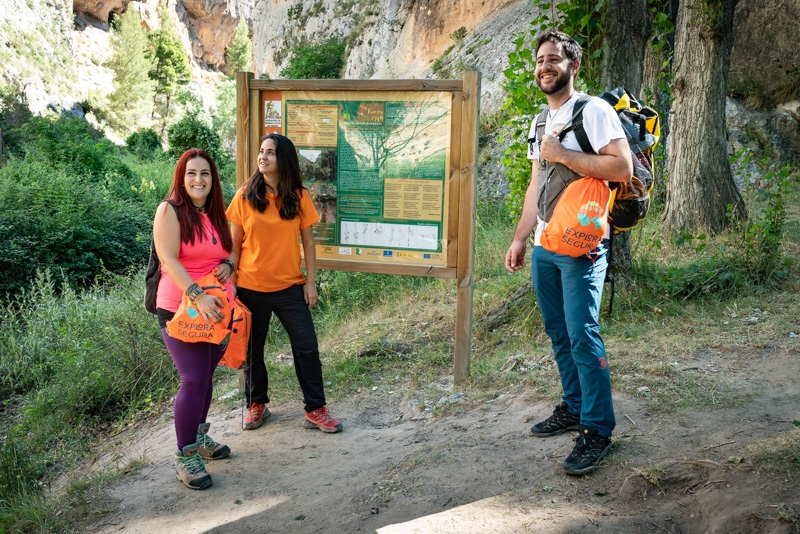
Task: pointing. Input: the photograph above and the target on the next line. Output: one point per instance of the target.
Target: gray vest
(554, 177)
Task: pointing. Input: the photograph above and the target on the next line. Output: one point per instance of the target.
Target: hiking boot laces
(206, 441)
(193, 464)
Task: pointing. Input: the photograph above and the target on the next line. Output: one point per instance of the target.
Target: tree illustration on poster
(390, 166)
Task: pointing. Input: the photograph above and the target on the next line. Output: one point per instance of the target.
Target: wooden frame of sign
(453, 247)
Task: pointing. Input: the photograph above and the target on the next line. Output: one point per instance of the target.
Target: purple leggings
(195, 363)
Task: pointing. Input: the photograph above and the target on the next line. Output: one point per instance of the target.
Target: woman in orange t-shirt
(268, 215)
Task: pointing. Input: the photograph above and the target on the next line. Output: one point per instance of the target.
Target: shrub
(91, 357)
(145, 143)
(53, 219)
(14, 113)
(70, 142)
(316, 61)
(192, 132)
(73, 363)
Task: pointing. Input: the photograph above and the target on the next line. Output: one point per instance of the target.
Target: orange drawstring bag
(236, 354)
(579, 220)
(190, 326)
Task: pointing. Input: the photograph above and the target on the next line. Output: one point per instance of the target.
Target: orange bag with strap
(236, 353)
(190, 326)
(579, 219)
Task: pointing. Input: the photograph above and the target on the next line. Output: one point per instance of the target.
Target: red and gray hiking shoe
(321, 419)
(256, 414)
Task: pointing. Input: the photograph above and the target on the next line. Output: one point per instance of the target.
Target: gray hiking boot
(191, 469)
(207, 447)
(558, 423)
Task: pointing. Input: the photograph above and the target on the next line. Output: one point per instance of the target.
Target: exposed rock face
(98, 12)
(397, 38)
(36, 50)
(212, 25)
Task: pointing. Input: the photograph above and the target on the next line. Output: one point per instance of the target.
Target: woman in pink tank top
(192, 238)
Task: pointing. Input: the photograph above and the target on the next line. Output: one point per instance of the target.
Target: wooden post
(466, 225)
(243, 155)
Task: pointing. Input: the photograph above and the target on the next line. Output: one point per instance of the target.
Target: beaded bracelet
(194, 291)
(227, 262)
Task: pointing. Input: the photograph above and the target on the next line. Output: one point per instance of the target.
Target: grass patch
(779, 455)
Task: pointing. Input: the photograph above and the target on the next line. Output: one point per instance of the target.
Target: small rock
(456, 397)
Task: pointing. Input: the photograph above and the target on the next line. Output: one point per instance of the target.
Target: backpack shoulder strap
(576, 125)
(539, 123)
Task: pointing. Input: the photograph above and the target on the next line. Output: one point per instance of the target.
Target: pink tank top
(198, 259)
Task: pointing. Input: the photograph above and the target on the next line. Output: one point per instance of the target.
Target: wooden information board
(390, 166)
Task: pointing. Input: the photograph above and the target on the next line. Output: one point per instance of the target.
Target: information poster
(375, 165)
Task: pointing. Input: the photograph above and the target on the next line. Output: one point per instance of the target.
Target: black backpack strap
(609, 275)
(539, 123)
(576, 125)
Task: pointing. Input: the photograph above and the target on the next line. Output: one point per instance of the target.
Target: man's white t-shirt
(600, 122)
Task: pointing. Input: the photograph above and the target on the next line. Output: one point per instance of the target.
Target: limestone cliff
(406, 38)
(55, 50)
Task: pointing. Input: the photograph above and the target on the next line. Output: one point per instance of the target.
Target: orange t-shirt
(270, 256)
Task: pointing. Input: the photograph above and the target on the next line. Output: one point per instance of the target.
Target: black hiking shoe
(556, 424)
(590, 449)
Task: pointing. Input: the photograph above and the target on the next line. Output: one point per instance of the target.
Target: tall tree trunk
(628, 32)
(701, 185)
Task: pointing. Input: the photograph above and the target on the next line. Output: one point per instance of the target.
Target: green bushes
(145, 143)
(52, 219)
(72, 204)
(192, 132)
(73, 364)
(316, 61)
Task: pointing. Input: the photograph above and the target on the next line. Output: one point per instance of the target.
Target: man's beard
(561, 82)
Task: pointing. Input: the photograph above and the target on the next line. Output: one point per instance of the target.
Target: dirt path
(395, 470)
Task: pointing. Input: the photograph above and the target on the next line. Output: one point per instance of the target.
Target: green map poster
(376, 168)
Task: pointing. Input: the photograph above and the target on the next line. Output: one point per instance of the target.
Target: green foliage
(239, 56)
(583, 20)
(747, 256)
(170, 63)
(68, 223)
(14, 113)
(323, 60)
(70, 204)
(69, 142)
(223, 115)
(145, 143)
(193, 132)
(76, 363)
(458, 36)
(131, 103)
(661, 98)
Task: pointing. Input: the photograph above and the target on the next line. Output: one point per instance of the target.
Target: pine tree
(239, 56)
(130, 104)
(170, 69)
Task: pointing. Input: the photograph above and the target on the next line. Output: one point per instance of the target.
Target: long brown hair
(290, 181)
(190, 220)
